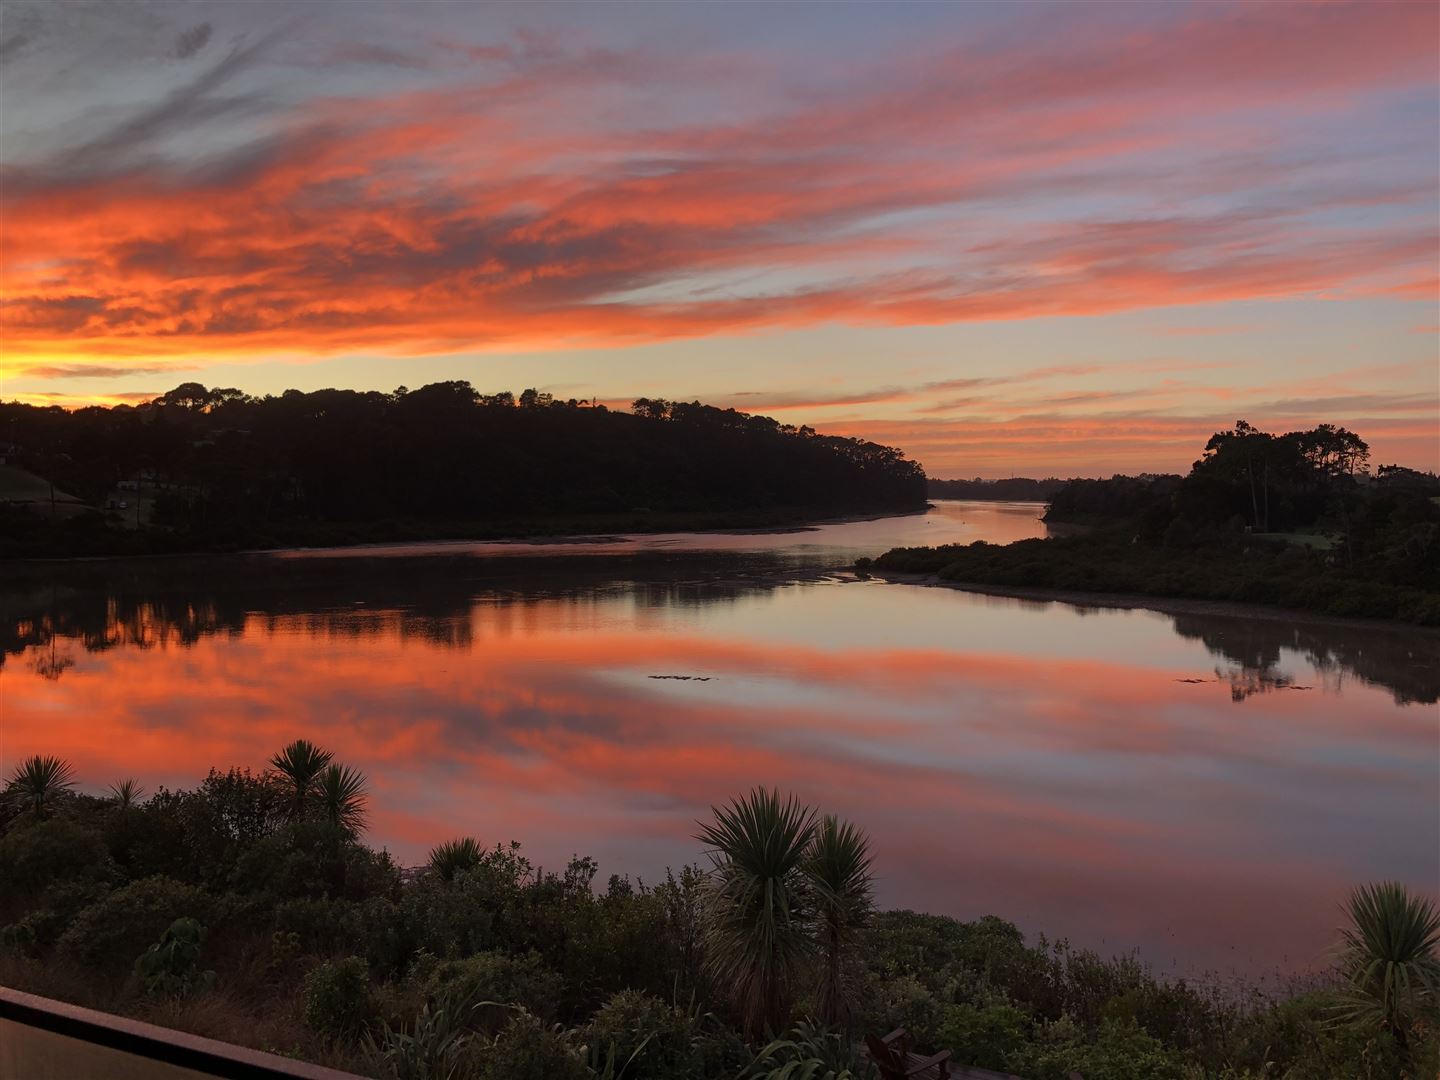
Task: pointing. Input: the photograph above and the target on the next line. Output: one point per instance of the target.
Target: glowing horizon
(1009, 240)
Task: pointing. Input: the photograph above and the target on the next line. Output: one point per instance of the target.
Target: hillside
(229, 470)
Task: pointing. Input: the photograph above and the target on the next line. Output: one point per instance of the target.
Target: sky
(1011, 239)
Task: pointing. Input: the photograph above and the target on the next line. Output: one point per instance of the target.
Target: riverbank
(1149, 602)
(1239, 570)
(47, 543)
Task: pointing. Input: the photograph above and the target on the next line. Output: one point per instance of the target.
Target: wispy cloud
(439, 220)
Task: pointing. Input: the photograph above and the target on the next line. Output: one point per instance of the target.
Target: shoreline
(1165, 605)
(520, 536)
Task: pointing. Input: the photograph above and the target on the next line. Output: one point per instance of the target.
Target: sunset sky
(1011, 238)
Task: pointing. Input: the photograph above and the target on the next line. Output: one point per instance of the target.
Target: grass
(1313, 541)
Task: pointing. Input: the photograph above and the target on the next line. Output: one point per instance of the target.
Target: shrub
(37, 852)
(500, 978)
(315, 859)
(812, 1054)
(987, 1038)
(1120, 1052)
(338, 1002)
(526, 1049)
(171, 967)
(647, 1036)
(433, 1048)
(110, 934)
(904, 1001)
(19, 938)
(322, 924)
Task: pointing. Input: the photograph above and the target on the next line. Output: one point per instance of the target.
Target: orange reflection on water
(1085, 790)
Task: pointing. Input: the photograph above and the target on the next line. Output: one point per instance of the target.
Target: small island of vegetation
(249, 909)
(1294, 520)
(201, 469)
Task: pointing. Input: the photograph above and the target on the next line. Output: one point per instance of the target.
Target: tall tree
(838, 866)
(301, 764)
(758, 904)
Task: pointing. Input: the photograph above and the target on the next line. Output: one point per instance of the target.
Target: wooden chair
(895, 1062)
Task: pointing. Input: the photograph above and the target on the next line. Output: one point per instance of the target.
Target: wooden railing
(41, 1039)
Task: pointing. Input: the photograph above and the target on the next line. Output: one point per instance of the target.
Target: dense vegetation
(228, 471)
(1295, 520)
(249, 909)
(1016, 488)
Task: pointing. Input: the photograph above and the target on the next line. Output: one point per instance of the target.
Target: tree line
(1297, 519)
(224, 464)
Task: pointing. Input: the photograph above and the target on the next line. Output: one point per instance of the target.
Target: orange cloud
(500, 213)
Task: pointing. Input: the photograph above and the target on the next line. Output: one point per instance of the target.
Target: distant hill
(230, 470)
(1015, 488)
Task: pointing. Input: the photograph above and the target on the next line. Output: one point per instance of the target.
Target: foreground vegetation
(248, 909)
(1294, 520)
(228, 471)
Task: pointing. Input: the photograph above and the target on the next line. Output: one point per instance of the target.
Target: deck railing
(41, 1039)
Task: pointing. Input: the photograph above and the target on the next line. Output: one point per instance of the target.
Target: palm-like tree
(39, 781)
(127, 794)
(342, 793)
(1388, 955)
(757, 927)
(841, 884)
(455, 857)
(301, 764)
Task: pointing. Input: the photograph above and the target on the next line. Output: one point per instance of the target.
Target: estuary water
(1203, 788)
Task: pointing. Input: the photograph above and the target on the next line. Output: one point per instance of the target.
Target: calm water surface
(1202, 788)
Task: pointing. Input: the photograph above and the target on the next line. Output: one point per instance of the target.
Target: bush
(313, 859)
(496, 977)
(904, 1001)
(109, 935)
(20, 938)
(1120, 1052)
(988, 1038)
(647, 1036)
(338, 1002)
(526, 1049)
(37, 853)
(323, 925)
(171, 967)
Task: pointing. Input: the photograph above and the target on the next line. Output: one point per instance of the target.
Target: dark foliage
(315, 940)
(1014, 488)
(1289, 520)
(229, 471)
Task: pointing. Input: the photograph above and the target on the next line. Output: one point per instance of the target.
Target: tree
(838, 866)
(455, 857)
(342, 794)
(39, 781)
(301, 764)
(127, 794)
(1388, 957)
(757, 906)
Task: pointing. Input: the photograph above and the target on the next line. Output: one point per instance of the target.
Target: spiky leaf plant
(838, 866)
(757, 930)
(808, 1052)
(431, 1049)
(39, 781)
(454, 857)
(300, 764)
(1388, 957)
(342, 794)
(127, 794)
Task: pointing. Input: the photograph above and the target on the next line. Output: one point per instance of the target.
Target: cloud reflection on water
(1047, 764)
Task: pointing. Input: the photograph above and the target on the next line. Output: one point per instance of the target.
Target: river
(1202, 788)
